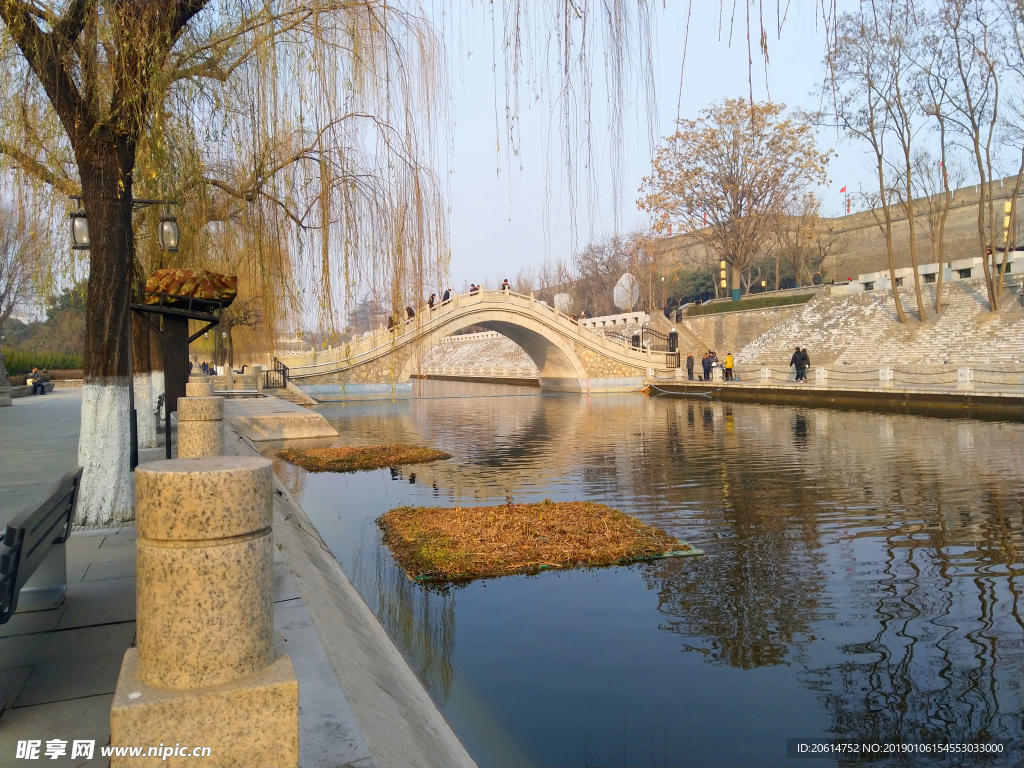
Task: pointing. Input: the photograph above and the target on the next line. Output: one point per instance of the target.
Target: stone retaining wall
(863, 329)
(732, 331)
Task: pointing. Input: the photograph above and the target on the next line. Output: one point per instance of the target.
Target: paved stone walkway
(38, 444)
(59, 668)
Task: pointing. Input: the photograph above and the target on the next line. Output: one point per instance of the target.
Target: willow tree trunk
(106, 497)
(102, 93)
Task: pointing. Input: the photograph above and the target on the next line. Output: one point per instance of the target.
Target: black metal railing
(276, 377)
(655, 340)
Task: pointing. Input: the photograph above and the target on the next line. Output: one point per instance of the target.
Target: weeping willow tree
(296, 138)
(300, 140)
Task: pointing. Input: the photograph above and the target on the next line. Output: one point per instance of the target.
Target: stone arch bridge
(570, 357)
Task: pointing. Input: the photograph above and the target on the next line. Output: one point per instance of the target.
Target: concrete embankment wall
(732, 331)
(863, 330)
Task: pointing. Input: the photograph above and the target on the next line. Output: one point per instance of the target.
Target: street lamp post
(80, 230)
(168, 236)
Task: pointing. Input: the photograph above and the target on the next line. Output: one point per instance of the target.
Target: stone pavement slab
(38, 445)
(59, 668)
(271, 418)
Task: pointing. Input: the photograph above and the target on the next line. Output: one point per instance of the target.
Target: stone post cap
(197, 389)
(198, 377)
(202, 499)
(200, 408)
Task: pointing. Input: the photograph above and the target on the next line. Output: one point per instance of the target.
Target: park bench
(33, 561)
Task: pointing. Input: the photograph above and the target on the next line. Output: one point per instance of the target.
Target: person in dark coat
(505, 286)
(38, 379)
(430, 301)
(796, 360)
(706, 365)
(410, 313)
(805, 360)
(689, 366)
(447, 295)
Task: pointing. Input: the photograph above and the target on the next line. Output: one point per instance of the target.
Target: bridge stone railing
(383, 341)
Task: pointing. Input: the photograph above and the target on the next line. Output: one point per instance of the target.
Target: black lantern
(168, 233)
(79, 231)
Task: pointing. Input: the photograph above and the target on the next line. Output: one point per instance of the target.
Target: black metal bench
(33, 562)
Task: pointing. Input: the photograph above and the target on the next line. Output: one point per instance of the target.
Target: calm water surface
(862, 580)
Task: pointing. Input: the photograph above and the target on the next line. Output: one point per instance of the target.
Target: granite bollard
(200, 427)
(204, 671)
(199, 386)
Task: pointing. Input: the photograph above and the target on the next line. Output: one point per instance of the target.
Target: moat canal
(862, 580)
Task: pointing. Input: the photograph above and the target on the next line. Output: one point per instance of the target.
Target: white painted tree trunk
(144, 406)
(106, 497)
(156, 391)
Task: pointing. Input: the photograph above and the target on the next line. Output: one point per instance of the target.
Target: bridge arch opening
(560, 368)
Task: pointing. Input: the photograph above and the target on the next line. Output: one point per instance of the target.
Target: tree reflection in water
(945, 663)
(877, 556)
(936, 594)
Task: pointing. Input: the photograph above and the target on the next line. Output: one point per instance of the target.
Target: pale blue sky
(497, 220)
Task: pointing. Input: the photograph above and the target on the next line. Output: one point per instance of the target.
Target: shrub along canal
(862, 579)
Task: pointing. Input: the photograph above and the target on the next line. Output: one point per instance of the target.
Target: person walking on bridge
(430, 301)
(446, 296)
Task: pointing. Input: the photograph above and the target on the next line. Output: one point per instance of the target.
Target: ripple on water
(862, 579)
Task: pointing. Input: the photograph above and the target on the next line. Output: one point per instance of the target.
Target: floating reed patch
(356, 458)
(437, 544)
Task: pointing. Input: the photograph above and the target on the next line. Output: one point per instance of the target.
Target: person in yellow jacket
(728, 366)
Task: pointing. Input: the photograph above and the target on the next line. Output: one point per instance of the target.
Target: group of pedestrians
(800, 361)
(410, 313)
(209, 369)
(708, 364)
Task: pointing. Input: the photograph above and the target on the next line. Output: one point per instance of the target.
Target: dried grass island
(357, 458)
(438, 544)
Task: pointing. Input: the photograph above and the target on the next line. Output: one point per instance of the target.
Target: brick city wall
(860, 244)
